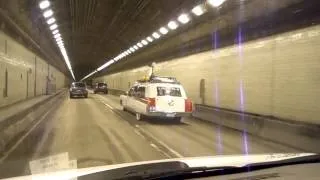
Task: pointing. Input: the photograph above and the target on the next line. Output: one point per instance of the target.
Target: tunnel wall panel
(26, 72)
(274, 76)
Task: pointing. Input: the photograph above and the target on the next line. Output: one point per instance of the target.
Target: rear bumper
(168, 114)
(78, 93)
(100, 90)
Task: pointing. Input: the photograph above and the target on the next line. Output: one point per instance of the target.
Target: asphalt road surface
(95, 131)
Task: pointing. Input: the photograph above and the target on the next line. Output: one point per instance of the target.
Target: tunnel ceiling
(94, 30)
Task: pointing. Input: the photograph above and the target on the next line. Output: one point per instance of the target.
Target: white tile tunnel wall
(23, 67)
(274, 76)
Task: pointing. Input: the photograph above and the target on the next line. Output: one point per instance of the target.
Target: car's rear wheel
(71, 96)
(86, 96)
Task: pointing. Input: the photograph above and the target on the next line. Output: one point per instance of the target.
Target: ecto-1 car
(157, 97)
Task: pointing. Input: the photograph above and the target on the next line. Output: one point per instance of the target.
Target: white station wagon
(157, 97)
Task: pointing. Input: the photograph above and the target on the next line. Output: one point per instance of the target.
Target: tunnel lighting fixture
(144, 42)
(139, 45)
(53, 26)
(198, 10)
(172, 25)
(55, 31)
(60, 43)
(44, 4)
(163, 30)
(183, 18)
(105, 65)
(129, 51)
(149, 39)
(132, 49)
(57, 35)
(59, 39)
(48, 13)
(156, 35)
(135, 47)
(216, 3)
(51, 20)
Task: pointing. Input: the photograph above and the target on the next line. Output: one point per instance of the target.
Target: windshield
(95, 83)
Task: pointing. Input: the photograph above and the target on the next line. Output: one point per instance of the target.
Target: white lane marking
(139, 134)
(158, 149)
(105, 104)
(162, 143)
(149, 134)
(6, 154)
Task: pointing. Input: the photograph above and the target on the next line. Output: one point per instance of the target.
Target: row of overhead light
(172, 25)
(51, 21)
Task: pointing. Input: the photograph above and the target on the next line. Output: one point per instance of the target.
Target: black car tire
(71, 96)
(86, 96)
(106, 92)
(94, 92)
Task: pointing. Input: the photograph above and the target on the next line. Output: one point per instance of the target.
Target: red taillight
(188, 105)
(152, 102)
(151, 105)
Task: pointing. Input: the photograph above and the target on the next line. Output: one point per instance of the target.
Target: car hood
(209, 161)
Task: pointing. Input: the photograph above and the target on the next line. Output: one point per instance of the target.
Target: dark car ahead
(78, 89)
(101, 87)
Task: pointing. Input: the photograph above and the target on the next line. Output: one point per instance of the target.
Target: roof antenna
(151, 73)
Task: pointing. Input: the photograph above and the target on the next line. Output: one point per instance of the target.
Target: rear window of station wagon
(168, 91)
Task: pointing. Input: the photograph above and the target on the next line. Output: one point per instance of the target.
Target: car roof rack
(159, 79)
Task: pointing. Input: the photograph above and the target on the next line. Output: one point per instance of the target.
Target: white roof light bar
(51, 20)
(44, 4)
(216, 3)
(149, 39)
(53, 26)
(173, 25)
(183, 18)
(156, 35)
(163, 30)
(48, 13)
(198, 10)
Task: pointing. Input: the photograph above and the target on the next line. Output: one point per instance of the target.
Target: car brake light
(188, 105)
(151, 106)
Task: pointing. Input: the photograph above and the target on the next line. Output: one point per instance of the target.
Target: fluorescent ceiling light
(51, 20)
(144, 42)
(55, 31)
(105, 65)
(198, 10)
(163, 30)
(149, 39)
(48, 13)
(216, 3)
(58, 39)
(172, 25)
(128, 51)
(156, 35)
(140, 45)
(53, 26)
(135, 47)
(44, 4)
(132, 49)
(183, 18)
(57, 35)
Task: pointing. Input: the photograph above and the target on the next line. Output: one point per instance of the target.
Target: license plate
(171, 114)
